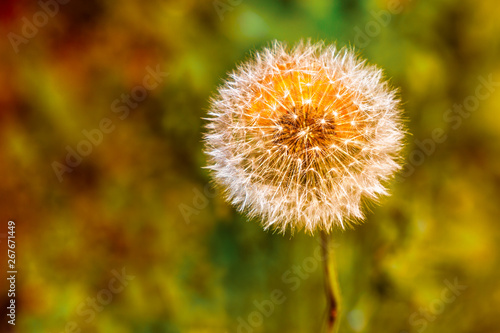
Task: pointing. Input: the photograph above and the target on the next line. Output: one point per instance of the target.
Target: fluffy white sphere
(298, 137)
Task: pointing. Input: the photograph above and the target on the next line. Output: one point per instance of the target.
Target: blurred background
(118, 229)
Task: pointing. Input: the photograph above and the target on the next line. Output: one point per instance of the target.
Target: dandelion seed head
(299, 136)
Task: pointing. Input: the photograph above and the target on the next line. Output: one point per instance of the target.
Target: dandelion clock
(300, 137)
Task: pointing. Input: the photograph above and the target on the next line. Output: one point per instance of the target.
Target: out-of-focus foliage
(134, 202)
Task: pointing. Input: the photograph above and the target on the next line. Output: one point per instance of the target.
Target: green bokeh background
(122, 207)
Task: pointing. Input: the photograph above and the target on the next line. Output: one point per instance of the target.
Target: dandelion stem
(332, 288)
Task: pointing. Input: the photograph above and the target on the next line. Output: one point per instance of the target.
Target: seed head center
(304, 130)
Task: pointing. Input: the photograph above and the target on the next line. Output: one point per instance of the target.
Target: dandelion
(300, 137)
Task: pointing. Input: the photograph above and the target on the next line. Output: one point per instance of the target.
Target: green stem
(332, 288)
